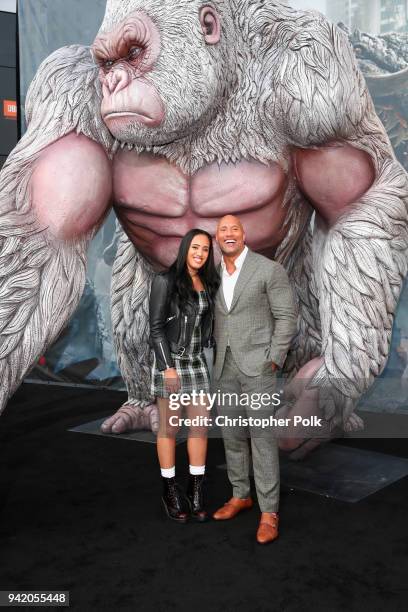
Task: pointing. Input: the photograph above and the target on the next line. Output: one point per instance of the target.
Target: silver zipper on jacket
(184, 336)
(182, 349)
(164, 355)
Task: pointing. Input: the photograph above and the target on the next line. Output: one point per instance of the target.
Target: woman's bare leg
(197, 454)
(166, 436)
(197, 436)
(197, 450)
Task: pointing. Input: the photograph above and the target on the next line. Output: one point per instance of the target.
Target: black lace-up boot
(173, 501)
(195, 497)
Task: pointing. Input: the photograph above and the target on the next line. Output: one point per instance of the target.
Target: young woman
(181, 324)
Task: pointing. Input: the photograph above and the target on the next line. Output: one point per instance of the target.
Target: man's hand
(171, 380)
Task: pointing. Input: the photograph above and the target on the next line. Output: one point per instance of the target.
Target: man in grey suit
(255, 321)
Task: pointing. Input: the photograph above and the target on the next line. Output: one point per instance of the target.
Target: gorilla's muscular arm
(131, 276)
(360, 242)
(43, 237)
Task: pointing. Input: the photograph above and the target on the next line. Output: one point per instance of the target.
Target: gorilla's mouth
(128, 116)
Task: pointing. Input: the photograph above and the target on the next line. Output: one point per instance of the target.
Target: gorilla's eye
(108, 63)
(134, 52)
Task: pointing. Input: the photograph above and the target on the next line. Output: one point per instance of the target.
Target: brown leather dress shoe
(268, 528)
(232, 508)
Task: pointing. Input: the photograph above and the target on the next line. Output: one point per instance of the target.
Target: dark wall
(8, 84)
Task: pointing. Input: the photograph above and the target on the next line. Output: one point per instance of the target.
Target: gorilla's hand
(304, 398)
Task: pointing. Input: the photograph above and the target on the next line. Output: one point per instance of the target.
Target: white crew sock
(168, 472)
(197, 470)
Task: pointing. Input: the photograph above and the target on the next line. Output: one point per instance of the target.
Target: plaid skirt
(193, 374)
(192, 367)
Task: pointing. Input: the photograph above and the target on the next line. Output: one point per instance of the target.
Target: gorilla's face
(160, 81)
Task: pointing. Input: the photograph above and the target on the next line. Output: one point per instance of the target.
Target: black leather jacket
(170, 328)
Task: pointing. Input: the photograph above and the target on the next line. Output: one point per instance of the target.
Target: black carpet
(82, 513)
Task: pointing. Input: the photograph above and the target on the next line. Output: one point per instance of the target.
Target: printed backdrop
(84, 352)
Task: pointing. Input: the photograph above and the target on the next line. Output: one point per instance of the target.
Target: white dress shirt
(230, 280)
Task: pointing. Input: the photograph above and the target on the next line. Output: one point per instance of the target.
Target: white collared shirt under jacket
(230, 280)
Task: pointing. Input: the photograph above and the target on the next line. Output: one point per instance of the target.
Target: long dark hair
(182, 282)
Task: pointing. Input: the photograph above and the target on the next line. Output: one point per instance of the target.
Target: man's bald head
(231, 219)
(230, 236)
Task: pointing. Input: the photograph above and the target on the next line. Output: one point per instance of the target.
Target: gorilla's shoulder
(67, 58)
(61, 74)
(309, 27)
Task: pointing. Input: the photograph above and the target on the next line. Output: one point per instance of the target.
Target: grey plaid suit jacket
(262, 320)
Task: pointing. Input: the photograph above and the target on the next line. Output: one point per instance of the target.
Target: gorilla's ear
(210, 25)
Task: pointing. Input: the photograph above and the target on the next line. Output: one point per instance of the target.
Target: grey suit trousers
(264, 444)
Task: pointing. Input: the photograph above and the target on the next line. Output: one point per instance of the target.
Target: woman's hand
(171, 380)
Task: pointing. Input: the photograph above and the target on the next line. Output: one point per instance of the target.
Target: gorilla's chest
(157, 203)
